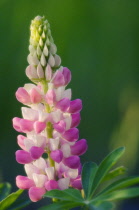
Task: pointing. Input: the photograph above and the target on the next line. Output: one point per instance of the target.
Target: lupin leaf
(10, 199)
(115, 173)
(105, 166)
(5, 189)
(120, 194)
(122, 183)
(67, 195)
(88, 174)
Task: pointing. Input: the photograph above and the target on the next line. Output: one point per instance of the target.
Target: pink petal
(24, 182)
(51, 185)
(26, 125)
(76, 118)
(76, 183)
(35, 96)
(36, 152)
(63, 104)
(23, 157)
(60, 126)
(75, 106)
(79, 147)
(36, 193)
(57, 155)
(50, 97)
(20, 141)
(16, 124)
(58, 79)
(39, 126)
(67, 75)
(72, 162)
(22, 96)
(71, 134)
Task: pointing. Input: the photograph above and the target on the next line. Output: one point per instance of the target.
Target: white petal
(39, 179)
(56, 116)
(40, 163)
(45, 50)
(68, 120)
(41, 42)
(39, 140)
(39, 52)
(30, 169)
(48, 72)
(50, 86)
(72, 173)
(54, 143)
(63, 183)
(53, 48)
(43, 116)
(66, 150)
(29, 114)
(60, 93)
(50, 172)
(29, 86)
(28, 144)
(43, 60)
(51, 60)
(57, 60)
(67, 94)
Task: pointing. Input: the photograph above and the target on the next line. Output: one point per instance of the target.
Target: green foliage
(5, 189)
(94, 197)
(114, 173)
(88, 175)
(11, 202)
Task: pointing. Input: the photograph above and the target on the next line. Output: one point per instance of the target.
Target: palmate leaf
(65, 195)
(105, 166)
(9, 200)
(115, 173)
(119, 194)
(122, 183)
(88, 174)
(5, 189)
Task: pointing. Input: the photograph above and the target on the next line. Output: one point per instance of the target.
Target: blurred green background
(98, 40)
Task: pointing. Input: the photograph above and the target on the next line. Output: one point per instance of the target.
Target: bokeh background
(99, 41)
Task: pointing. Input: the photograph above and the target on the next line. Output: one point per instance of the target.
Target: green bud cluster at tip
(42, 48)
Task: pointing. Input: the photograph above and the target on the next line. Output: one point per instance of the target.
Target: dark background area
(98, 40)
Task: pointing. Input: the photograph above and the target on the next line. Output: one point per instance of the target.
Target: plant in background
(50, 145)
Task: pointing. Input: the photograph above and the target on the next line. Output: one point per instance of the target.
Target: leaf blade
(122, 183)
(105, 166)
(114, 173)
(88, 175)
(67, 195)
(5, 189)
(9, 200)
(120, 194)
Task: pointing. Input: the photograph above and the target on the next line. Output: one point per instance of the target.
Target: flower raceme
(50, 149)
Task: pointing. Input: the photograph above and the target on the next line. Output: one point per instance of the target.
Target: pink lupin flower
(49, 122)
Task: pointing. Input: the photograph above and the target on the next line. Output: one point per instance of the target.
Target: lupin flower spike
(49, 120)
